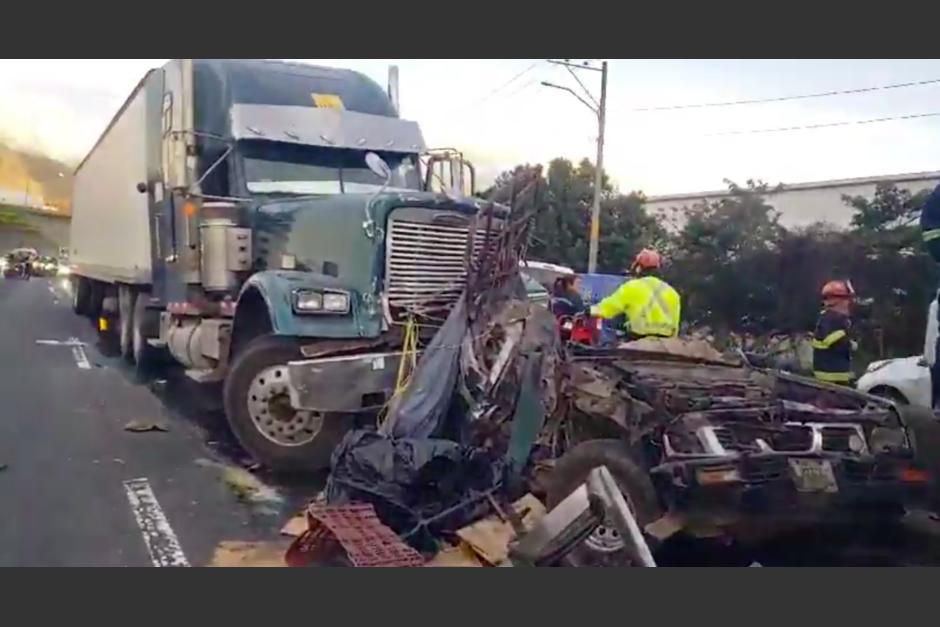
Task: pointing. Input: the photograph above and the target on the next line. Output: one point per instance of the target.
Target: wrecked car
(708, 447)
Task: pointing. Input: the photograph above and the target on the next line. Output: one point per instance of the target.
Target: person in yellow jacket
(650, 305)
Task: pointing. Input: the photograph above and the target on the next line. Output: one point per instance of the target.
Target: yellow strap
(406, 366)
(829, 340)
(931, 234)
(833, 377)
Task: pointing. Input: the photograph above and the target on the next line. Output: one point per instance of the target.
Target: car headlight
(876, 365)
(317, 301)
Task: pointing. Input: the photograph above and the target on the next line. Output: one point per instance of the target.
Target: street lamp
(600, 111)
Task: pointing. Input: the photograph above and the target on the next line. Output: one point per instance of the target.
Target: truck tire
(146, 358)
(127, 299)
(604, 547)
(259, 413)
(81, 293)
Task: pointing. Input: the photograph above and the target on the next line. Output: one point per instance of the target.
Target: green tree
(561, 229)
(722, 260)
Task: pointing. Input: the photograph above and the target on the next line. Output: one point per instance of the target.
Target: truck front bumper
(347, 383)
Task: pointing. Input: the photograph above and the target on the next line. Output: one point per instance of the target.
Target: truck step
(205, 376)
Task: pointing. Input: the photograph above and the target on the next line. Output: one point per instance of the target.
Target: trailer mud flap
(343, 384)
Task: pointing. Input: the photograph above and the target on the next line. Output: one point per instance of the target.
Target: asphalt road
(77, 488)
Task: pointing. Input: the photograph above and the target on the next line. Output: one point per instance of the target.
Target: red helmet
(838, 289)
(647, 259)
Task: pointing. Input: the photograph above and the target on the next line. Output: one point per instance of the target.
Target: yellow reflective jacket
(651, 305)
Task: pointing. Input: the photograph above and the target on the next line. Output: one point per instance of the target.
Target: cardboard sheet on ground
(460, 556)
(295, 526)
(490, 537)
(249, 554)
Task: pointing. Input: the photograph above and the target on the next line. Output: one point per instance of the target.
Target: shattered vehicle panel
(734, 447)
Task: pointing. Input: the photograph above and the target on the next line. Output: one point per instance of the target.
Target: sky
(500, 115)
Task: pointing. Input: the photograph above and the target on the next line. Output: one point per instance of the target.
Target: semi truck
(276, 227)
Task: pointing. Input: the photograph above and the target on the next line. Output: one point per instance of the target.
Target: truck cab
(296, 227)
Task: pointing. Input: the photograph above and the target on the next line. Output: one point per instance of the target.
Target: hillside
(27, 178)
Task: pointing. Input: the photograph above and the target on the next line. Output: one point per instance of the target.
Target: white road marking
(78, 350)
(81, 360)
(164, 548)
(71, 342)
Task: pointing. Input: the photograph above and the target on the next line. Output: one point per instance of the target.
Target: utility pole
(600, 111)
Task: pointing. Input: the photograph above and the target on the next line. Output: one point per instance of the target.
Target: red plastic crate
(366, 540)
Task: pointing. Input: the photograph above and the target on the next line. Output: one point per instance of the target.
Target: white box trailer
(110, 231)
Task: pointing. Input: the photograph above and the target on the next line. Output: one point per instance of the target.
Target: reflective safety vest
(832, 348)
(651, 307)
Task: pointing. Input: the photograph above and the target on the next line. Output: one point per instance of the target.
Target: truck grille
(425, 269)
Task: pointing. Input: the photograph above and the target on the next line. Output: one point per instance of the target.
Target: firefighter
(832, 344)
(650, 306)
(930, 231)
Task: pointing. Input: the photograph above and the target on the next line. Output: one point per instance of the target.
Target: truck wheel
(146, 326)
(258, 409)
(81, 292)
(604, 547)
(127, 299)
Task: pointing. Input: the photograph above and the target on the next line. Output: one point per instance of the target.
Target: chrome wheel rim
(606, 538)
(271, 412)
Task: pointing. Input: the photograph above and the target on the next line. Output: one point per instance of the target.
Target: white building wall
(805, 203)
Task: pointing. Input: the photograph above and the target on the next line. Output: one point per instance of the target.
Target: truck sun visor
(334, 128)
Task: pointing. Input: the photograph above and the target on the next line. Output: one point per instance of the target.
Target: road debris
(296, 526)
(245, 486)
(239, 554)
(143, 426)
(459, 556)
(357, 531)
(489, 537)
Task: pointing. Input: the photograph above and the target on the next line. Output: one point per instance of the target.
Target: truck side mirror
(378, 166)
(142, 187)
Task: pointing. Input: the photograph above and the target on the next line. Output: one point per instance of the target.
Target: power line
(823, 94)
(806, 127)
(507, 83)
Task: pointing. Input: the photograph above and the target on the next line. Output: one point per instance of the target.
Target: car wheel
(604, 547)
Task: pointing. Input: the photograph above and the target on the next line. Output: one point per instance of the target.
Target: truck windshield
(288, 169)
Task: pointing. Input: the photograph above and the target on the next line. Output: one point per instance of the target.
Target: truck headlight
(317, 301)
(308, 300)
(335, 302)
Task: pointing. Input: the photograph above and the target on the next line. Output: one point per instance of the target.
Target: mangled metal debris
(632, 449)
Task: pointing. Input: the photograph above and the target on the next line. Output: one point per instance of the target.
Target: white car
(907, 379)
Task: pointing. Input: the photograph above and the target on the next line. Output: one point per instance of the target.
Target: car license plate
(813, 475)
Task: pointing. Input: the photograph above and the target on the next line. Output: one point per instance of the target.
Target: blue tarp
(595, 287)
